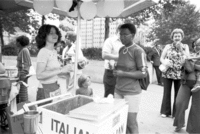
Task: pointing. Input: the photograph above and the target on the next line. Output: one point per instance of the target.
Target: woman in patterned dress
(173, 57)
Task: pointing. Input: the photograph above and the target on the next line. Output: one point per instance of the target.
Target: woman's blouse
(174, 55)
(50, 59)
(24, 59)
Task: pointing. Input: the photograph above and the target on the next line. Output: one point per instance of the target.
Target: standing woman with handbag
(23, 65)
(173, 58)
(184, 94)
(48, 66)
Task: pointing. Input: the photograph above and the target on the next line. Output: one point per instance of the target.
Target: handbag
(31, 71)
(189, 65)
(144, 83)
(163, 68)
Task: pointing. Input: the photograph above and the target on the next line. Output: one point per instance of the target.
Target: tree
(142, 16)
(185, 17)
(66, 23)
(21, 19)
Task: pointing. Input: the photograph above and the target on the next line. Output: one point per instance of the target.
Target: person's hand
(118, 73)
(193, 57)
(82, 64)
(168, 63)
(182, 61)
(179, 46)
(67, 68)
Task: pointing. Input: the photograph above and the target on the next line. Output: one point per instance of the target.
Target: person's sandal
(178, 129)
(163, 115)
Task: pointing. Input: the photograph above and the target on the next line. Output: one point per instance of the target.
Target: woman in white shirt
(48, 66)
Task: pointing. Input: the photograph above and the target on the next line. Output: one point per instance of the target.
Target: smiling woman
(173, 56)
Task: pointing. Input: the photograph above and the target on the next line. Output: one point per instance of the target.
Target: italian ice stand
(81, 115)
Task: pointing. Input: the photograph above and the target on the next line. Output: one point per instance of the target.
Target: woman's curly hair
(42, 34)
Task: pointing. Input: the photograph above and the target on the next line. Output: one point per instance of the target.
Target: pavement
(149, 119)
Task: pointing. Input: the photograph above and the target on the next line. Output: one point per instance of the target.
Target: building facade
(93, 32)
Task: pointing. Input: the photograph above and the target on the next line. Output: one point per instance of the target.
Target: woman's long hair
(43, 33)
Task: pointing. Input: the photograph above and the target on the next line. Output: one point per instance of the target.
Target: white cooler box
(80, 115)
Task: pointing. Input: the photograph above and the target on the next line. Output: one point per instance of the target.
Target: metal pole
(77, 44)
(0, 51)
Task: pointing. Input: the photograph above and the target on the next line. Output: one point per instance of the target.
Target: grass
(95, 68)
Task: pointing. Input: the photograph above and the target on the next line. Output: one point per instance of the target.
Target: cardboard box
(16, 121)
(87, 117)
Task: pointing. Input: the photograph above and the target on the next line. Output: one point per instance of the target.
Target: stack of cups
(31, 120)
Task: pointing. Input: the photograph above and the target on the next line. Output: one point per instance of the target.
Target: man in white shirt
(110, 53)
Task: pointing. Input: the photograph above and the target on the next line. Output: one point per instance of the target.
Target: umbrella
(9, 6)
(130, 7)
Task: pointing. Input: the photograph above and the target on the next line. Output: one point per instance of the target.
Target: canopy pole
(77, 44)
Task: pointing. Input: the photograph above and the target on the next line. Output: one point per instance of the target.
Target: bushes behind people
(147, 50)
(92, 53)
(11, 49)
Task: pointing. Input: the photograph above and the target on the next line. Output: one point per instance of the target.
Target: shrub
(93, 53)
(10, 49)
(147, 50)
(90, 53)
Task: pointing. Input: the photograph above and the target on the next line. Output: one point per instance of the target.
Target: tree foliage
(184, 16)
(21, 19)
